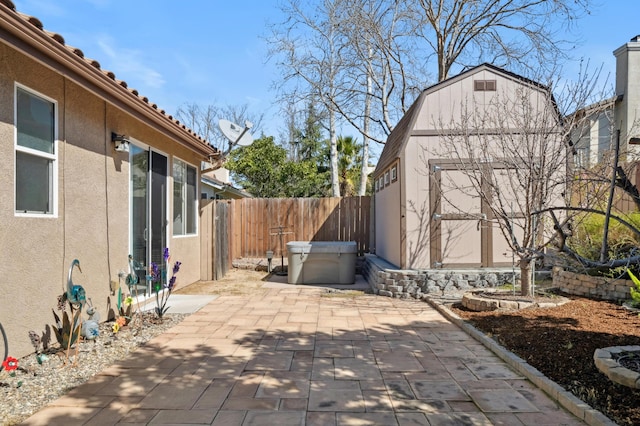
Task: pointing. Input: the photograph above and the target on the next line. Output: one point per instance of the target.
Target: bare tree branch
(512, 33)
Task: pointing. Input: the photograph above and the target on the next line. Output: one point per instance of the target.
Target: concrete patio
(300, 355)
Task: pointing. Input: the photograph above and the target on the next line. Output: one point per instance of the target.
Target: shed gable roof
(400, 134)
(26, 34)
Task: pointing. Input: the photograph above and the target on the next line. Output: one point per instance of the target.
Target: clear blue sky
(212, 51)
(173, 52)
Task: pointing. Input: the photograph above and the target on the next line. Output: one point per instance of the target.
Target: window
(381, 180)
(184, 198)
(377, 185)
(386, 178)
(484, 85)
(394, 174)
(36, 153)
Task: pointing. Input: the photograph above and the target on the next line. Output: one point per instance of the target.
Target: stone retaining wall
(371, 266)
(386, 280)
(586, 285)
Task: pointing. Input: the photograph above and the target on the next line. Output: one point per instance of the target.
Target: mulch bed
(560, 343)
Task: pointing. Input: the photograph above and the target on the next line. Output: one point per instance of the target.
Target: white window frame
(53, 209)
(185, 211)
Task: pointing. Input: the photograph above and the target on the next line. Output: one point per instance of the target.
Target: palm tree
(349, 161)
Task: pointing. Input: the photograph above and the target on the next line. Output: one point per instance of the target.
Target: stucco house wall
(621, 112)
(627, 107)
(417, 144)
(91, 218)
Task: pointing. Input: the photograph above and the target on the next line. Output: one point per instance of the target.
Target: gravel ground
(35, 385)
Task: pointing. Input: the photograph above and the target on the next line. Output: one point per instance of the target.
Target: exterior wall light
(120, 142)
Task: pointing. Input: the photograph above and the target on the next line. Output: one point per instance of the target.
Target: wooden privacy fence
(256, 223)
(248, 227)
(214, 239)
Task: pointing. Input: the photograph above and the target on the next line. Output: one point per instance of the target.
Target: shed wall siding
(444, 109)
(388, 221)
(417, 202)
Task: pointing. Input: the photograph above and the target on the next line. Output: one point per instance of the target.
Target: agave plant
(63, 329)
(125, 307)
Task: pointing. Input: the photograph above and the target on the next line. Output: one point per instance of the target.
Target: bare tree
(307, 47)
(367, 60)
(353, 56)
(514, 33)
(599, 176)
(203, 119)
(514, 153)
(382, 77)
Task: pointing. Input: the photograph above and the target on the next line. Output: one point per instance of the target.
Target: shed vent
(484, 85)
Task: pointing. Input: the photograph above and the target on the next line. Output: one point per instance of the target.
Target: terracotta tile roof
(187, 136)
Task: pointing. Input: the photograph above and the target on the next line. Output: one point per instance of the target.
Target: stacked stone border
(386, 279)
(478, 302)
(589, 286)
(606, 363)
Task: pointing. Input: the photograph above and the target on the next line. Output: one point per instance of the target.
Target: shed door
(460, 233)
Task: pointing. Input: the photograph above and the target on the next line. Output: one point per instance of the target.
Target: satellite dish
(237, 135)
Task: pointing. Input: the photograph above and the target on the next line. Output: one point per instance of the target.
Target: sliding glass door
(148, 212)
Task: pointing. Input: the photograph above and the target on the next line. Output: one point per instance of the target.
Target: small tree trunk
(526, 286)
(333, 143)
(364, 168)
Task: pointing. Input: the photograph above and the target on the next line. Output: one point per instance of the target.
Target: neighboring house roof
(224, 188)
(597, 107)
(26, 34)
(400, 134)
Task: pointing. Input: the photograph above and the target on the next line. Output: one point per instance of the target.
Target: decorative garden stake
(76, 296)
(159, 283)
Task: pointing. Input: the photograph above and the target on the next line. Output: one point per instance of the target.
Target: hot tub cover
(302, 247)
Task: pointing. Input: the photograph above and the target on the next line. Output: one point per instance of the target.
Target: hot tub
(321, 262)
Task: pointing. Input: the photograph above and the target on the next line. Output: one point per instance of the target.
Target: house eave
(224, 188)
(26, 37)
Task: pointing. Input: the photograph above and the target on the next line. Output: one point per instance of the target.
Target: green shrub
(635, 292)
(588, 230)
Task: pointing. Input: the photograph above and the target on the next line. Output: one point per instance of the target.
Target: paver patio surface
(299, 355)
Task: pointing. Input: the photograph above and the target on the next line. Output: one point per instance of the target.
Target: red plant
(10, 363)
